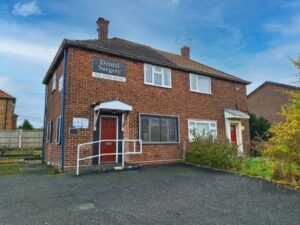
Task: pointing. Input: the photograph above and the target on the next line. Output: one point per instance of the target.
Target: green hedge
(213, 153)
(221, 155)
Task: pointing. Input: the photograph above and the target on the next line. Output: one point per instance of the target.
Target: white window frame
(49, 132)
(197, 89)
(58, 131)
(159, 115)
(54, 82)
(162, 73)
(209, 122)
(60, 83)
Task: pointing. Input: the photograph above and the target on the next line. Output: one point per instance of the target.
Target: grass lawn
(23, 153)
(11, 169)
(258, 167)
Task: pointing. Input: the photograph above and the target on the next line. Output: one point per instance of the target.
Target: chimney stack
(185, 51)
(102, 28)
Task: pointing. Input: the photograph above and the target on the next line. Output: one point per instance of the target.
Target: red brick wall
(54, 107)
(83, 90)
(267, 102)
(7, 119)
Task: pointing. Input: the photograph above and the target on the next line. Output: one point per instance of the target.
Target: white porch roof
(235, 114)
(113, 105)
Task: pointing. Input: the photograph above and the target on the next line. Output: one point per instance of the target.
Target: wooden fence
(21, 139)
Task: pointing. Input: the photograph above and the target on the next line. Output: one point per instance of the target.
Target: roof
(188, 64)
(292, 87)
(4, 94)
(144, 53)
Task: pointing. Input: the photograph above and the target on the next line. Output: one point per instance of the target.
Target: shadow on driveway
(173, 194)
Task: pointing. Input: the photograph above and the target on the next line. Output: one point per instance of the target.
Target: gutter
(45, 127)
(62, 127)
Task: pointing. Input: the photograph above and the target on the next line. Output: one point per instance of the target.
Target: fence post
(20, 138)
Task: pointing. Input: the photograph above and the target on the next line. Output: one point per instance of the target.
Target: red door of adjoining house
(233, 133)
(108, 132)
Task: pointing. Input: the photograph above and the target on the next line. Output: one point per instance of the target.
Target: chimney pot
(102, 28)
(185, 51)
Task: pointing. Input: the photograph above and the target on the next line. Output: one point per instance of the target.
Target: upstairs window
(200, 84)
(158, 129)
(60, 83)
(54, 82)
(157, 76)
(203, 128)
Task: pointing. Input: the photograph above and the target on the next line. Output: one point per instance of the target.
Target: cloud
(174, 3)
(29, 105)
(26, 9)
(31, 50)
(290, 4)
(290, 28)
(272, 64)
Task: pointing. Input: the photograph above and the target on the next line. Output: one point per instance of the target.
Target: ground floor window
(158, 129)
(202, 127)
(49, 132)
(57, 133)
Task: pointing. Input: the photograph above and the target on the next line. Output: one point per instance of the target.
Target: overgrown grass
(207, 152)
(260, 167)
(35, 153)
(12, 169)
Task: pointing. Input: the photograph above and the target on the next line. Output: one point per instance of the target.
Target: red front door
(108, 132)
(233, 133)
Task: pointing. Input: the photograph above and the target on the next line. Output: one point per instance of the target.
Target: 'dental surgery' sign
(109, 69)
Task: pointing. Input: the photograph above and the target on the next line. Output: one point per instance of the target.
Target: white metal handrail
(123, 153)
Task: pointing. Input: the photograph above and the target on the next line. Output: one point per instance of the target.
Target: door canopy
(235, 114)
(114, 105)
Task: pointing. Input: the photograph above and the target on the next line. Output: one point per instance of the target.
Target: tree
(297, 65)
(26, 125)
(259, 127)
(285, 141)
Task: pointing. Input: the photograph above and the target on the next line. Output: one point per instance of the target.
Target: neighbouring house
(8, 119)
(114, 89)
(267, 100)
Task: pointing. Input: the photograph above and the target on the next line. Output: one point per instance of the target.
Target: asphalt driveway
(175, 194)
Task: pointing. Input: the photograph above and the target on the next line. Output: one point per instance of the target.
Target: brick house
(268, 98)
(8, 120)
(110, 88)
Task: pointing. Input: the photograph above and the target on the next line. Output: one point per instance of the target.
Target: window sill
(153, 85)
(160, 143)
(205, 93)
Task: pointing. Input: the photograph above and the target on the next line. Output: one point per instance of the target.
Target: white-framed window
(54, 82)
(57, 133)
(200, 84)
(202, 128)
(49, 131)
(157, 76)
(159, 129)
(60, 83)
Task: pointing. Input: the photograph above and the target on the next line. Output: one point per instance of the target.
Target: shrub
(212, 152)
(259, 132)
(259, 127)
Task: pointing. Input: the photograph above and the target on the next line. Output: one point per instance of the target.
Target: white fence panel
(21, 139)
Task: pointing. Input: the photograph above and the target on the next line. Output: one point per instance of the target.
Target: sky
(254, 40)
